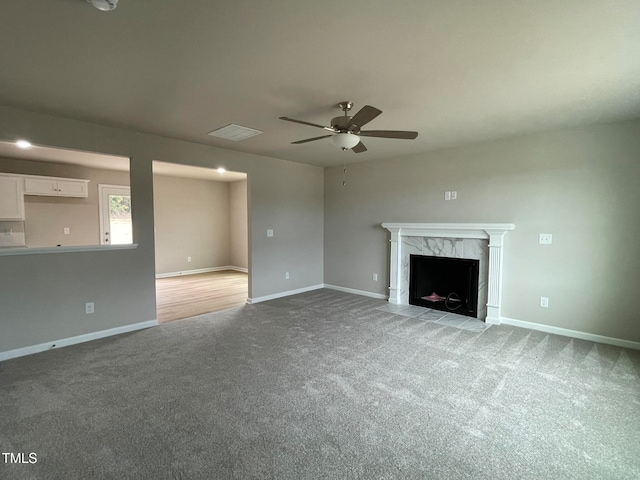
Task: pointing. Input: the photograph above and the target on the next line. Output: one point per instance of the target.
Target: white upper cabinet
(55, 187)
(13, 188)
(40, 186)
(73, 188)
(11, 197)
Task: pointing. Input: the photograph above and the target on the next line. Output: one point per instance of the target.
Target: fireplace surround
(455, 240)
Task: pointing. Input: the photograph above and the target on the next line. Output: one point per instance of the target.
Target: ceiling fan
(346, 131)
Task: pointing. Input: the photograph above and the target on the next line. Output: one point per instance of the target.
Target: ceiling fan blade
(311, 139)
(359, 148)
(389, 134)
(306, 123)
(365, 115)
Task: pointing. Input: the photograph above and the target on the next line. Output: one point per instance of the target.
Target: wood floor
(190, 295)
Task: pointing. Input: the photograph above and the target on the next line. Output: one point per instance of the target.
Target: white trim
(65, 342)
(618, 342)
(201, 270)
(273, 296)
(237, 269)
(316, 287)
(364, 293)
(78, 248)
(450, 230)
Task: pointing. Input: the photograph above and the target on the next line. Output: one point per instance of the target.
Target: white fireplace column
(394, 266)
(494, 302)
(493, 232)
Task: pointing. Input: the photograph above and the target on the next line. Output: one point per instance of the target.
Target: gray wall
(238, 226)
(46, 217)
(581, 185)
(42, 296)
(192, 219)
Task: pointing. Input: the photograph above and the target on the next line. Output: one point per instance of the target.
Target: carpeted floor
(323, 385)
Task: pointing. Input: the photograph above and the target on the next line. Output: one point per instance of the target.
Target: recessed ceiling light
(234, 132)
(221, 170)
(23, 144)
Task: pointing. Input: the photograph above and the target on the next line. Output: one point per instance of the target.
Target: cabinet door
(11, 199)
(68, 188)
(40, 186)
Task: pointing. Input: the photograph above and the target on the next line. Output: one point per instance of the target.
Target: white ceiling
(455, 71)
(112, 162)
(200, 173)
(59, 155)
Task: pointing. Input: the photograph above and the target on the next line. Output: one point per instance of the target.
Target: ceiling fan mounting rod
(345, 106)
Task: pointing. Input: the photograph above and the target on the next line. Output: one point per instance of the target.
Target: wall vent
(234, 132)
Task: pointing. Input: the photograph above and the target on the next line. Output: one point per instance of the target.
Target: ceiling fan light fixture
(345, 141)
(104, 5)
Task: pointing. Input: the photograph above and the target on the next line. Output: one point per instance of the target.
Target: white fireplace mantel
(493, 232)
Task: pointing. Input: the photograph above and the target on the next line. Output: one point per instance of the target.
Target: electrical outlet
(188, 259)
(270, 232)
(374, 277)
(286, 276)
(67, 231)
(545, 239)
(89, 307)
(454, 195)
(544, 302)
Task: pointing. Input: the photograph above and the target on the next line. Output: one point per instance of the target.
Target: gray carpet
(323, 385)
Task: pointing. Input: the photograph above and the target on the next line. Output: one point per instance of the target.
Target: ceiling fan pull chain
(344, 176)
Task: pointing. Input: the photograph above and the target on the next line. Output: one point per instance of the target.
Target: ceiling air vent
(234, 132)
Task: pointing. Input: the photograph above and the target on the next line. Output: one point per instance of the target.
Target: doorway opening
(201, 240)
(115, 214)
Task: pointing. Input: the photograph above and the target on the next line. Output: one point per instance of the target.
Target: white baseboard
(364, 293)
(283, 294)
(618, 342)
(202, 270)
(316, 287)
(237, 269)
(65, 342)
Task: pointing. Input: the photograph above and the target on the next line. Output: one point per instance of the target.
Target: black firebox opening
(447, 284)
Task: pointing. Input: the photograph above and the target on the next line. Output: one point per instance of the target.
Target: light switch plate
(270, 232)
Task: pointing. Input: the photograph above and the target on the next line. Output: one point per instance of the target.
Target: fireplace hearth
(443, 283)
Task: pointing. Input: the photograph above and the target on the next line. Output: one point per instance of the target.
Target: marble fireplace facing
(476, 241)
